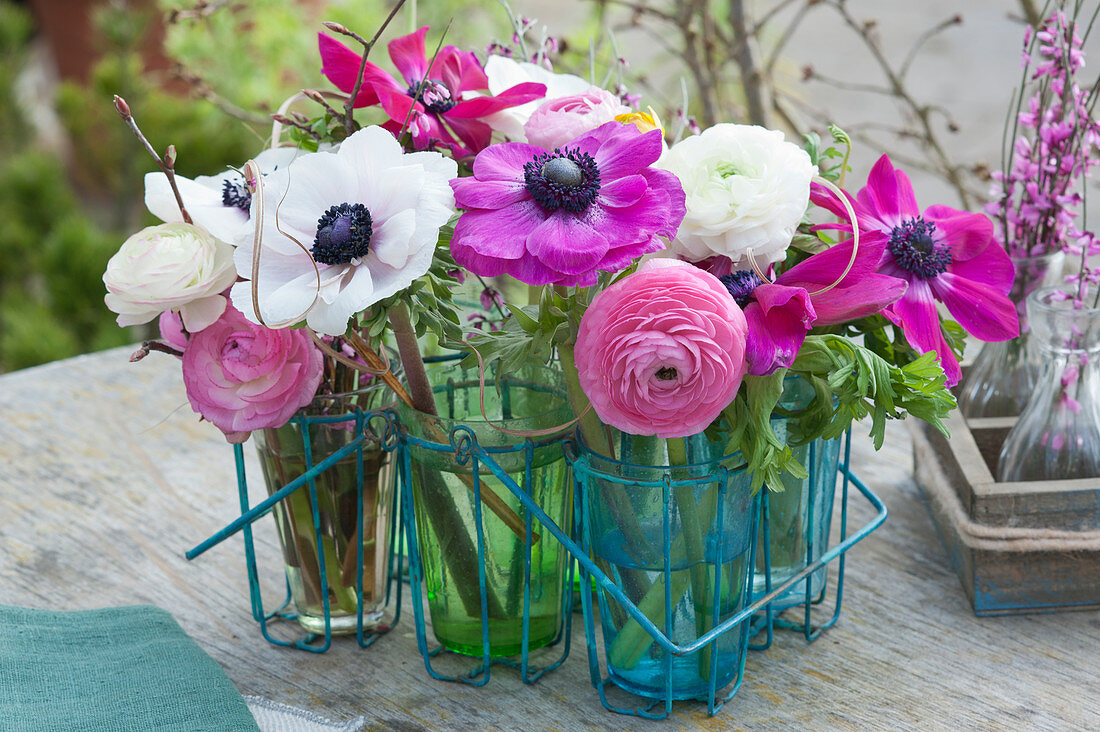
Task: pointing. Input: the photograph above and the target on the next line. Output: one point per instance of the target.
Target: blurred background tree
(203, 76)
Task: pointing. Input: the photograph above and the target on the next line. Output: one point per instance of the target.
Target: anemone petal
(982, 311)
(916, 313)
(408, 55)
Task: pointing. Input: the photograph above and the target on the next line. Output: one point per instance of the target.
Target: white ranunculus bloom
(169, 267)
(504, 73)
(747, 189)
(217, 203)
(363, 220)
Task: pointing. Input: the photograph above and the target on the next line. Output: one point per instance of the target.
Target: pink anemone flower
(811, 293)
(945, 255)
(594, 204)
(433, 100)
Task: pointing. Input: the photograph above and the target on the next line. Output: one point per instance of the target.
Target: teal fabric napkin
(121, 668)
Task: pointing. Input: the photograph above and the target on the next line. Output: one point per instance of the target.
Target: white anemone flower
(342, 230)
(217, 203)
(504, 73)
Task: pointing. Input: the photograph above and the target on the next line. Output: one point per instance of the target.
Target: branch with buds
(167, 163)
(349, 107)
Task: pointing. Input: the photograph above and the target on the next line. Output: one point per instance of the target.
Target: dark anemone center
(916, 250)
(565, 179)
(343, 234)
(741, 284)
(433, 94)
(235, 194)
(666, 373)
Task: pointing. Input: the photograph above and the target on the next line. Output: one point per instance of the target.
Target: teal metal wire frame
(759, 616)
(378, 426)
(767, 618)
(590, 572)
(661, 636)
(463, 443)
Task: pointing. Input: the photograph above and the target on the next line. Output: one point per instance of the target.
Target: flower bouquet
(708, 313)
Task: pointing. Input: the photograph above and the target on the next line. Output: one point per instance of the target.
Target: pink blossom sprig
(1053, 147)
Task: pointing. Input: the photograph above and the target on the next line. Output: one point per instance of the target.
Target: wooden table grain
(107, 477)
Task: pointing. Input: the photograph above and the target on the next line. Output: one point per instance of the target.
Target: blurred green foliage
(51, 295)
(258, 57)
(61, 224)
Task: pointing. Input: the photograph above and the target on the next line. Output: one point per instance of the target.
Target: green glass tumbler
(524, 566)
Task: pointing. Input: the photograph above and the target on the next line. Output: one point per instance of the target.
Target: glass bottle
(1058, 434)
(1002, 376)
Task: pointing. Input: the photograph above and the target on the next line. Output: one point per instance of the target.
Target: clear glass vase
(1003, 374)
(1058, 433)
(521, 570)
(799, 512)
(330, 423)
(670, 521)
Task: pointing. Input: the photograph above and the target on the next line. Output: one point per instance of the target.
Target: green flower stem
(633, 641)
(446, 521)
(302, 518)
(588, 422)
(597, 438)
(693, 530)
(420, 388)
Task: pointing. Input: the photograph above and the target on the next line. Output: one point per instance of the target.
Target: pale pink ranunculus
(662, 351)
(177, 267)
(242, 376)
(558, 121)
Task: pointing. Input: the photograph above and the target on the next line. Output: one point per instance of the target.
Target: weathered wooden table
(106, 477)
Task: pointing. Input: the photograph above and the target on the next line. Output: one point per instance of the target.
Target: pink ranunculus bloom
(662, 352)
(171, 330)
(242, 376)
(945, 255)
(445, 100)
(557, 121)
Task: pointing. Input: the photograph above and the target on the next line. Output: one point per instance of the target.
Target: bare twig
(424, 81)
(290, 122)
(784, 38)
(349, 108)
(949, 170)
(202, 90)
(751, 77)
(923, 38)
(319, 98)
(147, 346)
(200, 10)
(167, 162)
(813, 73)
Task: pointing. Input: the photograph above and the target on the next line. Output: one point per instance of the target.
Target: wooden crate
(1017, 547)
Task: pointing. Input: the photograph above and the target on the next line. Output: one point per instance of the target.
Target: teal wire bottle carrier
(670, 619)
(330, 478)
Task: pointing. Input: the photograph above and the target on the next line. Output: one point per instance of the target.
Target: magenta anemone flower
(433, 100)
(780, 313)
(558, 217)
(944, 254)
